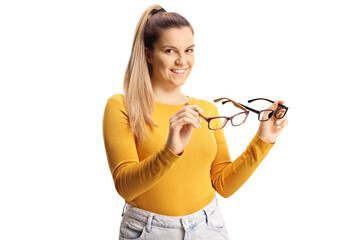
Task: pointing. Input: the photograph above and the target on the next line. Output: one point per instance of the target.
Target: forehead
(177, 37)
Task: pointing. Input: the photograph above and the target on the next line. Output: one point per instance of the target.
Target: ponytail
(138, 93)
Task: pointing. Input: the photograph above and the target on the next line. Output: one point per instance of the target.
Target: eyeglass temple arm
(251, 109)
(202, 116)
(205, 118)
(233, 102)
(255, 99)
(242, 105)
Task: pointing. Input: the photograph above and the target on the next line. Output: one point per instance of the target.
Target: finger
(190, 121)
(195, 108)
(179, 123)
(188, 117)
(186, 114)
(274, 105)
(282, 124)
(196, 111)
(279, 121)
(186, 110)
(281, 102)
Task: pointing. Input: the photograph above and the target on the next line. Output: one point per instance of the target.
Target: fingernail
(278, 127)
(278, 122)
(198, 126)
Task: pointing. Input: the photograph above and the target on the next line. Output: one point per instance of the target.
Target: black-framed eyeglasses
(264, 115)
(219, 122)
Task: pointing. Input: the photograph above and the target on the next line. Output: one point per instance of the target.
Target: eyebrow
(169, 46)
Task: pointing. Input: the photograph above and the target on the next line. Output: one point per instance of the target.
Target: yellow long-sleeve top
(150, 176)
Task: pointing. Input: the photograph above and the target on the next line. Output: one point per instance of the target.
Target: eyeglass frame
(273, 112)
(208, 119)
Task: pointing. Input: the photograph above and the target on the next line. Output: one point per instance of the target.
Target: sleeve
(131, 177)
(227, 176)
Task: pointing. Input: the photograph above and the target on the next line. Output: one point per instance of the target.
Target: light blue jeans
(206, 223)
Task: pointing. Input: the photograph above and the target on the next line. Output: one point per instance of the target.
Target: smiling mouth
(178, 71)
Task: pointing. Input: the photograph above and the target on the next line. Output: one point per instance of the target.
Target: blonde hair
(138, 93)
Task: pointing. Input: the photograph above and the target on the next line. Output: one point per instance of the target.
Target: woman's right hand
(181, 126)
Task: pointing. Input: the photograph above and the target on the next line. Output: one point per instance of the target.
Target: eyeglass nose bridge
(271, 114)
(226, 120)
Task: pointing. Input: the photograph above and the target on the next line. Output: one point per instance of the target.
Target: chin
(179, 82)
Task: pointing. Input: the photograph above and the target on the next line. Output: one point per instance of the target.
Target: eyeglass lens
(238, 119)
(220, 122)
(280, 113)
(217, 123)
(267, 114)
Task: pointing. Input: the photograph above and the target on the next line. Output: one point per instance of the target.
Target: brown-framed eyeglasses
(264, 115)
(219, 122)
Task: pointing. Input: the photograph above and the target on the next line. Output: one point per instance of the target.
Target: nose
(180, 60)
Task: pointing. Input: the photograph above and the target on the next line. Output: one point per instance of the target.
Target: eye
(189, 50)
(169, 50)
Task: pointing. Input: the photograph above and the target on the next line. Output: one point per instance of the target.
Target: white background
(61, 60)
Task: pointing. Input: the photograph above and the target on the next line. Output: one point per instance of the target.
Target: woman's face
(172, 57)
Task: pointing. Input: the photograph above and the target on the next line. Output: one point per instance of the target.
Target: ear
(148, 55)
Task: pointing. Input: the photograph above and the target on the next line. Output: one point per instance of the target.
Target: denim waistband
(171, 221)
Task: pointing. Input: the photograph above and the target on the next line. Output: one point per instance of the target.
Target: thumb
(274, 105)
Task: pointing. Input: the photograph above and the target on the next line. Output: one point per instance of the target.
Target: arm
(227, 176)
(131, 177)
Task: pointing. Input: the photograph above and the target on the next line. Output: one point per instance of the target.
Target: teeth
(178, 71)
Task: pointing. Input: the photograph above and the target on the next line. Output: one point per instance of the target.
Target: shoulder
(119, 98)
(116, 101)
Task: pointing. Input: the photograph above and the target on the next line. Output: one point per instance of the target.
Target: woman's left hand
(270, 130)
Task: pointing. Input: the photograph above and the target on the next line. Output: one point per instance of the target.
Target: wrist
(173, 148)
(176, 152)
(266, 139)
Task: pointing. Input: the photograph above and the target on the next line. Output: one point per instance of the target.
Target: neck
(171, 97)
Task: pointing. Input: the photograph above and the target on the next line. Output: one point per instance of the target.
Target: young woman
(166, 163)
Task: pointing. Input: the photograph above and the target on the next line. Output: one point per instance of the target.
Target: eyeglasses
(217, 123)
(266, 114)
